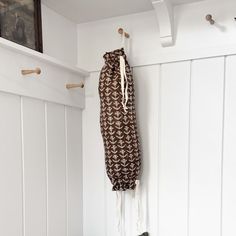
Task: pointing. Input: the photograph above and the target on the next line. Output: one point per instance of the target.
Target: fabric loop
(124, 84)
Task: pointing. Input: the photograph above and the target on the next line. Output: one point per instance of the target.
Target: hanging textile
(118, 122)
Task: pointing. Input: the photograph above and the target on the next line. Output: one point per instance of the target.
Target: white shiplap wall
(185, 100)
(41, 141)
(41, 145)
(186, 114)
(41, 168)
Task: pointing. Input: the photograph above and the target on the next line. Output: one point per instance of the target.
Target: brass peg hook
(121, 31)
(28, 72)
(209, 18)
(71, 86)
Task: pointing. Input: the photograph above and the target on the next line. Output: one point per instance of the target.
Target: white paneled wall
(147, 101)
(229, 150)
(95, 200)
(40, 168)
(74, 171)
(34, 164)
(207, 86)
(186, 116)
(56, 156)
(11, 202)
(174, 148)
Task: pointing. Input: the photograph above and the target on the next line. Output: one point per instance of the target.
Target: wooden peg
(121, 31)
(210, 19)
(71, 86)
(28, 72)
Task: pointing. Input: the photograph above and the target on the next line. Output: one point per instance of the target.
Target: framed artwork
(20, 22)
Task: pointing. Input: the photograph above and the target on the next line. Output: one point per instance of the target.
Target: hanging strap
(125, 44)
(124, 83)
(119, 210)
(123, 40)
(138, 206)
(137, 199)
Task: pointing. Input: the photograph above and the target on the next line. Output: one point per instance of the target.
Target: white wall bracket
(165, 16)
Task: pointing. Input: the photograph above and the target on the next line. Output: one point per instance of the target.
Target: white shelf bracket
(165, 16)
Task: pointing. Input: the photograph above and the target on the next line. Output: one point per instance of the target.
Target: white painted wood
(49, 85)
(34, 200)
(177, 2)
(229, 161)
(11, 202)
(33, 134)
(82, 11)
(200, 214)
(206, 147)
(56, 154)
(195, 38)
(59, 36)
(130, 217)
(34, 55)
(111, 219)
(174, 148)
(165, 17)
(94, 195)
(74, 171)
(146, 80)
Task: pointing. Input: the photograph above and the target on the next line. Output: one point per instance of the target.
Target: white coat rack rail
(37, 71)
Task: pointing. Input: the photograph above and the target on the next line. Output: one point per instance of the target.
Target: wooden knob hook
(28, 72)
(71, 86)
(121, 31)
(210, 19)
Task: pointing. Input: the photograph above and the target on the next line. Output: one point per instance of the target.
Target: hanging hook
(72, 86)
(34, 71)
(121, 31)
(210, 19)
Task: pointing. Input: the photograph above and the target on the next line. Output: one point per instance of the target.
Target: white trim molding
(165, 17)
(49, 85)
(21, 50)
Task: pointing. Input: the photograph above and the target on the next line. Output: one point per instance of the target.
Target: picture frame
(21, 22)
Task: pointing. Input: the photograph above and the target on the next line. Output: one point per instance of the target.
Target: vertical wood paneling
(11, 202)
(34, 166)
(229, 164)
(206, 146)
(56, 149)
(129, 213)
(94, 194)
(174, 148)
(146, 80)
(191, 128)
(74, 171)
(29, 183)
(111, 220)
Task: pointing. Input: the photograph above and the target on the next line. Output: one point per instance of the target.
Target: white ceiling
(90, 10)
